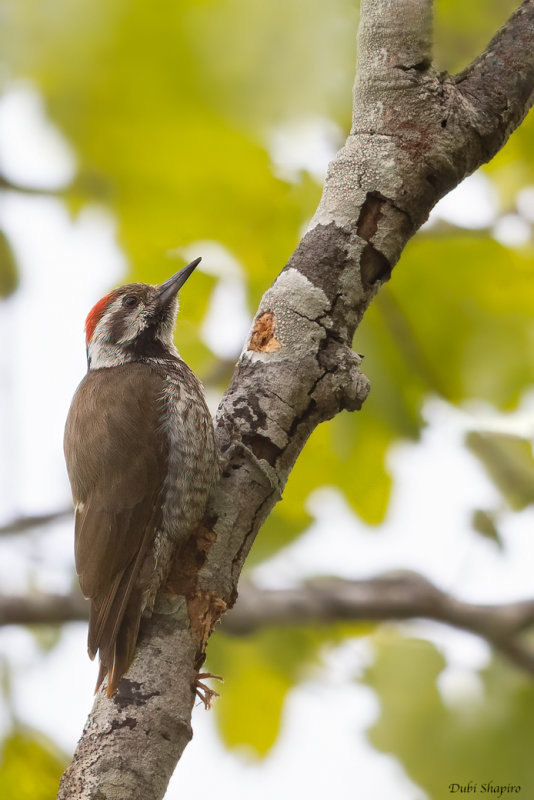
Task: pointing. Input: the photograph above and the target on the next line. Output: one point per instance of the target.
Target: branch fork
(415, 135)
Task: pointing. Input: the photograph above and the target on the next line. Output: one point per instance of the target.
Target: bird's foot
(203, 692)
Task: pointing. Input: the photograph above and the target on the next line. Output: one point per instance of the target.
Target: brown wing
(116, 455)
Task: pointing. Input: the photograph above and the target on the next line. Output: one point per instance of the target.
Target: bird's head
(134, 322)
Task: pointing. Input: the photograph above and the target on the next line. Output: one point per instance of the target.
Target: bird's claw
(203, 692)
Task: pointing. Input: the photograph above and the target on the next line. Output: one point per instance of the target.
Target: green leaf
(166, 132)
(249, 710)
(466, 306)
(462, 30)
(283, 525)
(9, 277)
(509, 462)
(513, 167)
(46, 636)
(258, 671)
(476, 347)
(484, 523)
(171, 117)
(478, 737)
(30, 767)
(347, 452)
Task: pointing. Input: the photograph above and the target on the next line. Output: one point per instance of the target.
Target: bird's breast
(192, 460)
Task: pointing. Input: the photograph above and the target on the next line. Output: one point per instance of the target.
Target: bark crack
(421, 66)
(415, 135)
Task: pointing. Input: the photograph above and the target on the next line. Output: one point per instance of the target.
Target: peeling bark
(416, 134)
(262, 337)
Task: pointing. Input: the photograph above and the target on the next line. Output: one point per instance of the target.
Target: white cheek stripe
(101, 353)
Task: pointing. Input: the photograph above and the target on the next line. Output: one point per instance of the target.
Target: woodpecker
(141, 459)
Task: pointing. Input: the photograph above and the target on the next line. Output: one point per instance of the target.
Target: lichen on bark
(297, 368)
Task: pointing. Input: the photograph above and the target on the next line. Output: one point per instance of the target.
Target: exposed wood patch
(421, 66)
(370, 215)
(374, 266)
(262, 339)
(262, 447)
(205, 609)
(189, 559)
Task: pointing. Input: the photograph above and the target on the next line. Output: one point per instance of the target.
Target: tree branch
(498, 86)
(25, 523)
(399, 596)
(393, 596)
(416, 134)
(39, 608)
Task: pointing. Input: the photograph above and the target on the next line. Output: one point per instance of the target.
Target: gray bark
(415, 135)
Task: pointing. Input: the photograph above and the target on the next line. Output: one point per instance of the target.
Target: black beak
(172, 285)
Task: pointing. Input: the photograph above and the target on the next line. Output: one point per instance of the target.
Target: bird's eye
(129, 301)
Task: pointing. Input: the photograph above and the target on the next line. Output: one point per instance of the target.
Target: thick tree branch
(416, 134)
(399, 596)
(498, 87)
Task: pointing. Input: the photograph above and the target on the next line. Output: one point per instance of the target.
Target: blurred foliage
(460, 316)
(462, 30)
(509, 462)
(45, 636)
(8, 268)
(171, 109)
(477, 347)
(476, 736)
(258, 672)
(30, 766)
(485, 522)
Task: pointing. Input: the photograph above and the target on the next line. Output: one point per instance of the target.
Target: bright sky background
(66, 265)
